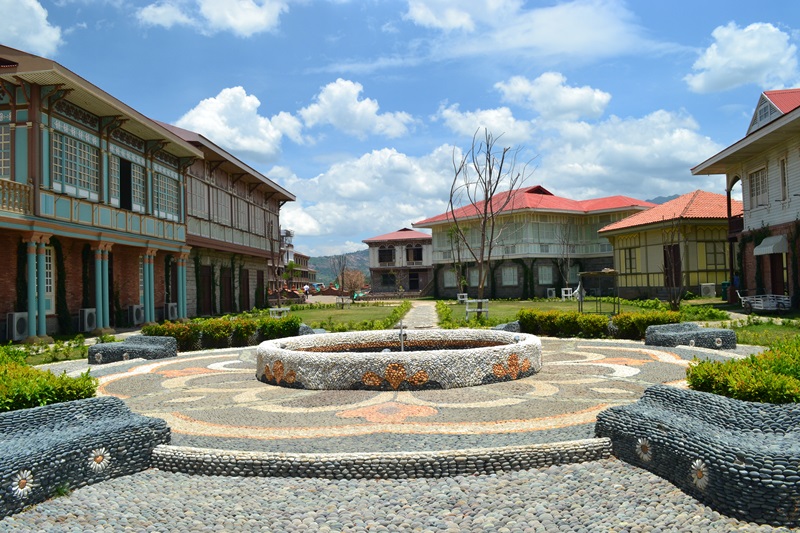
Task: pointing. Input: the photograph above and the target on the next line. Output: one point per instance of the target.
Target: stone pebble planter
(740, 458)
(68, 445)
(372, 360)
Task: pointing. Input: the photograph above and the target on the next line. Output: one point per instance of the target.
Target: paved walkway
(211, 399)
(422, 315)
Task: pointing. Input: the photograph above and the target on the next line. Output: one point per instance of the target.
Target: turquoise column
(98, 287)
(106, 299)
(41, 327)
(182, 279)
(146, 283)
(31, 289)
(151, 288)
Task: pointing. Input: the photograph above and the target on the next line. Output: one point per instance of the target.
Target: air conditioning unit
(708, 290)
(551, 293)
(17, 326)
(136, 314)
(87, 320)
(171, 311)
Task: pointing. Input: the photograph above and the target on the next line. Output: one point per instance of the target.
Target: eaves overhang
(776, 132)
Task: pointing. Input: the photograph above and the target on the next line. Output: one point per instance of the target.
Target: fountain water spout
(403, 337)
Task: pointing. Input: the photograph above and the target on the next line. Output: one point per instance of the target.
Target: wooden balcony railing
(15, 197)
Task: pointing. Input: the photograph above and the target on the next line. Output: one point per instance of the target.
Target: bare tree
(671, 268)
(338, 264)
(565, 236)
(484, 184)
(352, 281)
(455, 255)
(273, 234)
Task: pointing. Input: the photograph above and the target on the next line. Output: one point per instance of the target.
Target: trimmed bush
(770, 377)
(186, 333)
(575, 324)
(633, 325)
(22, 386)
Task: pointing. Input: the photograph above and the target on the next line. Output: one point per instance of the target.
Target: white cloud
(338, 104)
(639, 157)
(231, 120)
(464, 15)
(388, 189)
(240, 17)
(25, 26)
(499, 121)
(166, 14)
(760, 54)
(578, 30)
(243, 17)
(549, 96)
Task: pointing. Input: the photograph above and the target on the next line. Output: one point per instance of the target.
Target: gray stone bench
(691, 334)
(136, 346)
(68, 445)
(740, 458)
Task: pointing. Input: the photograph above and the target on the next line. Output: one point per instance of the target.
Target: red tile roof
(538, 198)
(785, 100)
(696, 205)
(404, 234)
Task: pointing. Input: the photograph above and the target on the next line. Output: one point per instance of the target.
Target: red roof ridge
(697, 204)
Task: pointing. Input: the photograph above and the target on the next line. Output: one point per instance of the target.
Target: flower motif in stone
(99, 459)
(718, 342)
(23, 484)
(395, 375)
(277, 374)
(643, 449)
(512, 369)
(699, 474)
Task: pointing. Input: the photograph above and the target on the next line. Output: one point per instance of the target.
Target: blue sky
(357, 107)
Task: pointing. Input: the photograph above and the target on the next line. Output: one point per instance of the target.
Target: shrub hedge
(22, 386)
(225, 331)
(575, 324)
(770, 377)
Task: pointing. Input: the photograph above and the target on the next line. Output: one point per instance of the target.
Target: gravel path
(600, 496)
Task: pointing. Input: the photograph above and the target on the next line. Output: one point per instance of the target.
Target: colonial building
(233, 228)
(400, 261)
(93, 206)
(680, 244)
(767, 164)
(541, 233)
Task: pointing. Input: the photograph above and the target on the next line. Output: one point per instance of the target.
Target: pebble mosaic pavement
(212, 400)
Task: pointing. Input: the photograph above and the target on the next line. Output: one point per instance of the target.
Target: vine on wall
(62, 310)
(197, 285)
(86, 257)
(168, 260)
(756, 237)
(22, 280)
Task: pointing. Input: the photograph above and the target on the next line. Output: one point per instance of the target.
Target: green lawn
(506, 310)
(355, 313)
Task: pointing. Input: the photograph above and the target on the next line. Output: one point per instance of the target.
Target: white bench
(462, 297)
(343, 301)
(477, 306)
(278, 312)
(567, 294)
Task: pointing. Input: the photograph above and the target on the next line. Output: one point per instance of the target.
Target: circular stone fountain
(374, 360)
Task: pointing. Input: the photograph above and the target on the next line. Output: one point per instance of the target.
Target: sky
(359, 108)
